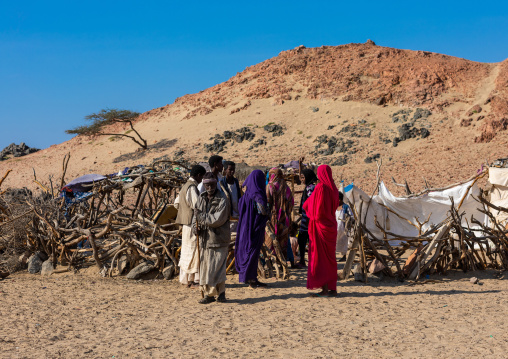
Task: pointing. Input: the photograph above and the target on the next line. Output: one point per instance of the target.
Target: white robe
(188, 255)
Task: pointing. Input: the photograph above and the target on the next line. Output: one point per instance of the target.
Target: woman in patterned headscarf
(281, 202)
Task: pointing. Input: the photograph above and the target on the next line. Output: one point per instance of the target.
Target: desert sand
(85, 316)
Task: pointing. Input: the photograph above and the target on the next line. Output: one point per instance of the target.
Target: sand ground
(85, 316)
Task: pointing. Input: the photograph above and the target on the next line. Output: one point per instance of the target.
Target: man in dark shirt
(303, 234)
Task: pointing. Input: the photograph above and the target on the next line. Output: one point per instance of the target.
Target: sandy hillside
(85, 316)
(454, 110)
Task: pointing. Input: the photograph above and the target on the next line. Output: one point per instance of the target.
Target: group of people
(212, 205)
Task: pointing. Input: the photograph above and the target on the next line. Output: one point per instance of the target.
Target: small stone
(139, 270)
(47, 268)
(169, 272)
(34, 264)
(474, 280)
(380, 101)
(374, 278)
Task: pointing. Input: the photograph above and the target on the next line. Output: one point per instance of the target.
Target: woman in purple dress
(253, 215)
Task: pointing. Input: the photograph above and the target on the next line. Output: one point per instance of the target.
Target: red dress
(320, 208)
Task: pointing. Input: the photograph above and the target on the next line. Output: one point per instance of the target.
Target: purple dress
(251, 226)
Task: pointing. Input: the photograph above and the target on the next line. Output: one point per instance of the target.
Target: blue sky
(62, 60)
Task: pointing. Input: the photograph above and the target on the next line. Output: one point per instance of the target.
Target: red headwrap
(320, 208)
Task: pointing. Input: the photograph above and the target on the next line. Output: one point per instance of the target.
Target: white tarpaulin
(400, 215)
(498, 177)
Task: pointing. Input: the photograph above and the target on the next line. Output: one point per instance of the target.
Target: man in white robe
(186, 204)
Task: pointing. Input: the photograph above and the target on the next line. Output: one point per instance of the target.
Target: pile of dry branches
(115, 228)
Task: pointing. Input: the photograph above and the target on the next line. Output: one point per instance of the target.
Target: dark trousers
(303, 239)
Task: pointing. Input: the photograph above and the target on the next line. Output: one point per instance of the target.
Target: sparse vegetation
(107, 117)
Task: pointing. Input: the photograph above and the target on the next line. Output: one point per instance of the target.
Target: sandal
(222, 298)
(317, 295)
(207, 300)
(260, 284)
(332, 293)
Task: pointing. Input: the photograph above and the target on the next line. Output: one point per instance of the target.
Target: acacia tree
(107, 117)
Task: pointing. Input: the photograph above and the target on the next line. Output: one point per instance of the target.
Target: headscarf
(323, 202)
(251, 226)
(310, 176)
(256, 187)
(324, 173)
(209, 178)
(320, 208)
(276, 175)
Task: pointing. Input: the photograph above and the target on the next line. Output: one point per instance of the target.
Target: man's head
(197, 172)
(215, 163)
(341, 198)
(210, 183)
(229, 169)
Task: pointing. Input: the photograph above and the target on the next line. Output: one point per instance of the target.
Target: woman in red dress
(320, 208)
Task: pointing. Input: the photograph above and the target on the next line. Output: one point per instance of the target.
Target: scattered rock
(373, 278)
(376, 266)
(490, 129)
(407, 131)
(314, 109)
(421, 113)
(179, 153)
(474, 280)
(331, 127)
(216, 146)
(334, 145)
(34, 264)
(339, 161)
(275, 130)
(257, 143)
(466, 122)
(169, 271)
(370, 159)
(402, 112)
(219, 141)
(139, 270)
(475, 109)
(380, 101)
(356, 131)
(47, 268)
(16, 151)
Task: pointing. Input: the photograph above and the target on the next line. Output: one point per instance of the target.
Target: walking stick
(199, 254)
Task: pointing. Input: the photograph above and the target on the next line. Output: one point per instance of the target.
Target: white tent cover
(498, 177)
(399, 215)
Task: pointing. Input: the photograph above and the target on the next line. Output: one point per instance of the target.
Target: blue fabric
(72, 198)
(349, 187)
(251, 226)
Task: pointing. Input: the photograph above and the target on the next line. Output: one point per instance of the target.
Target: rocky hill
(423, 114)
